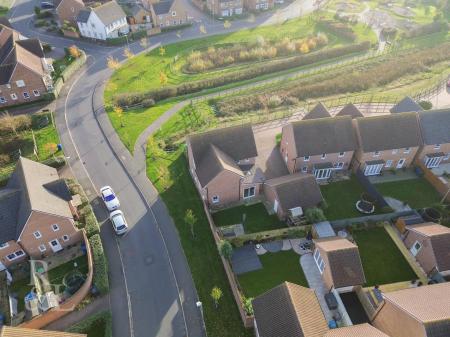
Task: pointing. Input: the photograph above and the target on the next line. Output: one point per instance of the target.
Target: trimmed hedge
(434, 27)
(85, 326)
(251, 72)
(88, 221)
(100, 278)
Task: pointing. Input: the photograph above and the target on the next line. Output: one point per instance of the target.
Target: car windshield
(119, 221)
(121, 227)
(110, 197)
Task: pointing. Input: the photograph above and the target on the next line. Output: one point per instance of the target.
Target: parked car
(119, 223)
(109, 198)
(47, 5)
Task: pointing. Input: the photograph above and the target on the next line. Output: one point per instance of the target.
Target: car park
(109, 198)
(118, 221)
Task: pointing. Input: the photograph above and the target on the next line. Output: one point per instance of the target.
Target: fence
(68, 72)
(440, 184)
(341, 224)
(370, 189)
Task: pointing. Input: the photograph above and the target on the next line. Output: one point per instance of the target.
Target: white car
(109, 198)
(119, 223)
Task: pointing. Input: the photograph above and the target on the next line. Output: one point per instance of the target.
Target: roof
(296, 190)
(319, 111)
(435, 126)
(33, 46)
(57, 3)
(343, 260)
(428, 303)
(5, 22)
(324, 229)
(109, 12)
(407, 104)
(360, 330)
(324, 135)
(411, 219)
(8, 331)
(162, 7)
(83, 15)
(388, 132)
(32, 187)
(289, 310)
(350, 110)
(135, 9)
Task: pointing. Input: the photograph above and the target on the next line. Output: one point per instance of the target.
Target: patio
(441, 170)
(394, 175)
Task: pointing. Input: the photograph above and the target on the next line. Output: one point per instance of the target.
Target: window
(324, 155)
(54, 243)
(215, 199)
(306, 158)
(341, 154)
(20, 83)
(37, 235)
(249, 192)
(13, 96)
(4, 245)
(388, 163)
(174, 13)
(42, 248)
(437, 146)
(407, 150)
(394, 151)
(338, 166)
(415, 248)
(66, 237)
(55, 227)
(3, 100)
(36, 93)
(376, 153)
(446, 156)
(319, 261)
(15, 255)
(305, 169)
(26, 95)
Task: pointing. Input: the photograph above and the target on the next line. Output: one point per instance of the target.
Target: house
(9, 331)
(222, 163)
(386, 142)
(319, 146)
(319, 111)
(36, 215)
(140, 18)
(25, 75)
(225, 8)
(106, 21)
(359, 330)
(258, 5)
(429, 243)
(435, 126)
(350, 110)
(169, 13)
(67, 11)
(288, 310)
(415, 312)
(407, 104)
(291, 194)
(339, 263)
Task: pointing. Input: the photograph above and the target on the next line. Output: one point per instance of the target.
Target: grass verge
(97, 325)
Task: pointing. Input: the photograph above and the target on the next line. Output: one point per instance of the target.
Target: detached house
(319, 146)
(36, 215)
(339, 263)
(25, 74)
(386, 142)
(429, 243)
(435, 128)
(222, 162)
(68, 10)
(259, 5)
(169, 13)
(106, 21)
(415, 312)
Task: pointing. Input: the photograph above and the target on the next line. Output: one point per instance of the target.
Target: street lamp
(200, 307)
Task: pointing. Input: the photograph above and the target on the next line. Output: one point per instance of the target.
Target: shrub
(426, 105)
(4, 159)
(100, 278)
(430, 28)
(314, 215)
(102, 318)
(91, 224)
(274, 101)
(225, 249)
(148, 102)
(340, 29)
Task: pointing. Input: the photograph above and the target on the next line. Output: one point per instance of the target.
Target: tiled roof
(407, 104)
(8, 331)
(162, 7)
(83, 15)
(435, 126)
(319, 111)
(109, 12)
(350, 110)
(360, 330)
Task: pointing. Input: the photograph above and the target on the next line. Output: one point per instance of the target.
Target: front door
(275, 206)
(56, 246)
(400, 163)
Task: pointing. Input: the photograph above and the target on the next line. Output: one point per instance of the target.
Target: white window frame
(320, 263)
(4, 245)
(414, 251)
(339, 165)
(66, 237)
(394, 151)
(3, 100)
(26, 95)
(20, 83)
(37, 234)
(341, 154)
(437, 146)
(16, 256)
(407, 150)
(249, 189)
(55, 227)
(305, 169)
(323, 156)
(446, 157)
(306, 158)
(401, 160)
(215, 199)
(174, 13)
(36, 93)
(376, 153)
(14, 96)
(388, 163)
(42, 248)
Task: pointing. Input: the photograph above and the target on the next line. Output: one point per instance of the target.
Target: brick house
(140, 18)
(67, 11)
(291, 192)
(435, 129)
(36, 215)
(258, 5)
(359, 330)
(170, 13)
(24, 71)
(319, 146)
(222, 164)
(339, 263)
(415, 312)
(224, 8)
(386, 142)
(429, 243)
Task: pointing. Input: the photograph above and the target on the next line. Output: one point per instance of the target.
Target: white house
(103, 22)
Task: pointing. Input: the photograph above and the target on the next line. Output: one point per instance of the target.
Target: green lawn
(383, 263)
(417, 193)
(20, 288)
(56, 275)
(170, 175)
(256, 218)
(277, 268)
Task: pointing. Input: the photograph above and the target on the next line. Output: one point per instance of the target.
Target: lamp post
(200, 307)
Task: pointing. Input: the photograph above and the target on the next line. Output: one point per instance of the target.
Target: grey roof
(33, 46)
(389, 132)
(296, 190)
(319, 111)
(350, 110)
(109, 12)
(162, 7)
(324, 229)
(6, 73)
(435, 126)
(407, 104)
(83, 15)
(323, 135)
(9, 207)
(5, 22)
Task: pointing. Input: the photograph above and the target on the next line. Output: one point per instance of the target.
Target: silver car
(119, 223)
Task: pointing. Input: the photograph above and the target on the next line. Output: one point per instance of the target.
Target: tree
(112, 63)
(216, 295)
(74, 52)
(128, 53)
(51, 148)
(162, 78)
(314, 215)
(162, 51)
(119, 113)
(225, 249)
(247, 304)
(191, 220)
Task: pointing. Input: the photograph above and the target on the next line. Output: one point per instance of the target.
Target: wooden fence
(441, 185)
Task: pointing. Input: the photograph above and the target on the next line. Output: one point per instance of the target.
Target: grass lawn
(277, 268)
(417, 193)
(56, 275)
(20, 288)
(256, 218)
(383, 263)
(170, 175)
(341, 197)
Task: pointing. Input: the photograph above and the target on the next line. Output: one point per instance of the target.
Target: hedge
(123, 39)
(91, 223)
(430, 28)
(100, 278)
(249, 73)
(85, 326)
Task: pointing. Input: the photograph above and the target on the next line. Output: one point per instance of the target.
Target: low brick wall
(68, 306)
(441, 187)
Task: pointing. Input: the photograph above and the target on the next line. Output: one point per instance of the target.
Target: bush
(91, 224)
(314, 215)
(4, 159)
(434, 27)
(426, 105)
(100, 278)
(102, 318)
(340, 29)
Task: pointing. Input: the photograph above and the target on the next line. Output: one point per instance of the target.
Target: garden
(97, 325)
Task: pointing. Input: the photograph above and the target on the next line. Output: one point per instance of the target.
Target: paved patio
(397, 176)
(439, 171)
